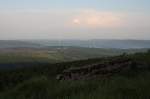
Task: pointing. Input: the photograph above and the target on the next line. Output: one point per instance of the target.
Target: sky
(75, 19)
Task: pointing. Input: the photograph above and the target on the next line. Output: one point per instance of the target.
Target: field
(58, 54)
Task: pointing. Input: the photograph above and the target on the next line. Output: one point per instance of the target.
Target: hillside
(40, 81)
(13, 57)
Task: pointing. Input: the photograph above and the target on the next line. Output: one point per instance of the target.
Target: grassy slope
(40, 83)
(117, 87)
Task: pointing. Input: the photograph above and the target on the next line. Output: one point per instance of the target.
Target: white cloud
(96, 19)
(79, 23)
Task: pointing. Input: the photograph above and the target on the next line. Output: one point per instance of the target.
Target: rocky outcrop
(100, 69)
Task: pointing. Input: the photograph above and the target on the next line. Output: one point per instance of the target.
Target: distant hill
(99, 43)
(17, 44)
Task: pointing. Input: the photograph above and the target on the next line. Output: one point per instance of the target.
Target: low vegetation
(39, 81)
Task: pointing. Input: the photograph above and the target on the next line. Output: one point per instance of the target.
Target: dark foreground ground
(123, 77)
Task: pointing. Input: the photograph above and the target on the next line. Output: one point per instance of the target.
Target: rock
(99, 69)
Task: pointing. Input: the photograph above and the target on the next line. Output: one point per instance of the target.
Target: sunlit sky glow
(74, 19)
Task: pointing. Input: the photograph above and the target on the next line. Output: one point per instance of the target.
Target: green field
(59, 54)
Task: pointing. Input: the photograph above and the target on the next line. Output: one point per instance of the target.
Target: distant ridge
(95, 43)
(17, 44)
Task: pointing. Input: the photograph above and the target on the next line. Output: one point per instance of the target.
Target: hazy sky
(74, 19)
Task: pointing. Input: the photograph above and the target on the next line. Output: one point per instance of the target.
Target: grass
(116, 87)
(39, 82)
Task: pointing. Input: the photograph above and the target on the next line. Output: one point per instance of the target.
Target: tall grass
(39, 82)
(116, 87)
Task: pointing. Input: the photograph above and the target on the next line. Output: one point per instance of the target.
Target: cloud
(73, 24)
(96, 19)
